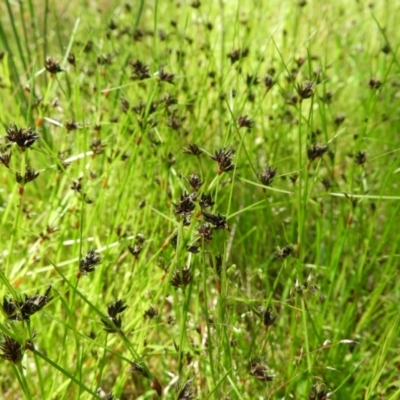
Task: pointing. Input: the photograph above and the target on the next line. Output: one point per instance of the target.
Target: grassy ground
(211, 191)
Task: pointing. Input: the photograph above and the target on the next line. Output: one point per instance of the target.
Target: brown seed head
(360, 158)
(316, 150)
(224, 159)
(260, 371)
(375, 83)
(195, 182)
(306, 89)
(165, 76)
(267, 176)
(53, 66)
(192, 149)
(5, 159)
(89, 263)
(29, 176)
(23, 137)
(206, 201)
(71, 58)
(245, 122)
(181, 279)
(217, 220)
(141, 71)
(11, 350)
(186, 204)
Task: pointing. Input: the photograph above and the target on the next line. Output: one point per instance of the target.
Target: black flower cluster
(267, 176)
(224, 158)
(113, 322)
(186, 204)
(260, 371)
(18, 310)
(11, 350)
(88, 264)
(181, 279)
(23, 137)
(317, 150)
(53, 66)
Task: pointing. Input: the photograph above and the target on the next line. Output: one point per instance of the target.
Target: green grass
(297, 294)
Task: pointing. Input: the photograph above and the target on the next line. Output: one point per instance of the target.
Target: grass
(201, 200)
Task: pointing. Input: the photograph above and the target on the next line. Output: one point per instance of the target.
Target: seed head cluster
(113, 323)
(18, 310)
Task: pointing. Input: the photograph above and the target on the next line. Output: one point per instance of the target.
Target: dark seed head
(186, 204)
(224, 159)
(165, 76)
(97, 146)
(33, 304)
(89, 263)
(195, 4)
(339, 119)
(5, 159)
(150, 313)
(206, 233)
(268, 317)
(236, 55)
(206, 201)
(267, 176)
(77, 185)
(326, 182)
(125, 106)
(112, 325)
(260, 371)
(316, 150)
(71, 126)
(9, 307)
(170, 100)
(306, 89)
(192, 149)
(141, 71)
(137, 367)
(386, 48)
(209, 26)
(217, 220)
(300, 61)
(88, 47)
(135, 250)
(116, 307)
(360, 158)
(138, 34)
(252, 80)
(53, 66)
(11, 350)
(23, 137)
(181, 279)
(318, 392)
(29, 176)
(245, 122)
(293, 178)
(268, 81)
(193, 248)
(23, 309)
(195, 182)
(284, 252)
(71, 58)
(375, 83)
